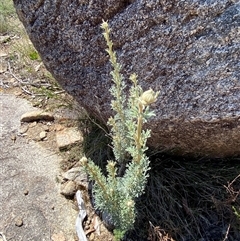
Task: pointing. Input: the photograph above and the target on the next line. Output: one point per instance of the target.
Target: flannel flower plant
(115, 194)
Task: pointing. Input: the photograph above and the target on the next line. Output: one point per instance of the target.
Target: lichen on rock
(189, 50)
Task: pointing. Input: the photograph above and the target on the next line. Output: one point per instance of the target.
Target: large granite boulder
(189, 50)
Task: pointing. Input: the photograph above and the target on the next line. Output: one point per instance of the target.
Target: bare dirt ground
(32, 207)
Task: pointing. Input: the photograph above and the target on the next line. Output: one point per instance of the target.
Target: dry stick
(32, 84)
(19, 80)
(15, 77)
(232, 192)
(28, 83)
(227, 232)
(59, 92)
(26, 91)
(234, 180)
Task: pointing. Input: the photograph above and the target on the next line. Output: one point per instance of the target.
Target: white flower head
(84, 161)
(148, 97)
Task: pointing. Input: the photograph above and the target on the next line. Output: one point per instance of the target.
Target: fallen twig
(227, 232)
(25, 82)
(28, 92)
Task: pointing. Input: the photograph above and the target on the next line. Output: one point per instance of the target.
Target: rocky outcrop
(189, 50)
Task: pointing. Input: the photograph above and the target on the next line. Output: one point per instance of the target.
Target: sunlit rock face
(189, 50)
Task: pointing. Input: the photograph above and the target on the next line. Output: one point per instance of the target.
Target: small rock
(68, 189)
(36, 116)
(13, 138)
(26, 192)
(3, 54)
(76, 174)
(46, 128)
(68, 137)
(35, 104)
(42, 135)
(58, 127)
(58, 237)
(18, 221)
(23, 129)
(33, 124)
(4, 39)
(91, 237)
(18, 93)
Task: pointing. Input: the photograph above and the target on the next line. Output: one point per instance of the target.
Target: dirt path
(31, 206)
(32, 173)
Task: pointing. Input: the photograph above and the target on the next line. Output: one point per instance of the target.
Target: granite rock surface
(189, 50)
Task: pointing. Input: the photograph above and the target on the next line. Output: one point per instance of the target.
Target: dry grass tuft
(6, 11)
(188, 198)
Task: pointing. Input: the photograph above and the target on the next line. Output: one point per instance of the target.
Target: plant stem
(139, 131)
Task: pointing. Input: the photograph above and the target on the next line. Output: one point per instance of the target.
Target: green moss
(34, 55)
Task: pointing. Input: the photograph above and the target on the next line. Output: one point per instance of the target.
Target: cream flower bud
(111, 164)
(104, 25)
(148, 97)
(84, 161)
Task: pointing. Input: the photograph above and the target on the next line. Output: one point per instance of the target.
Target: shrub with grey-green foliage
(126, 178)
